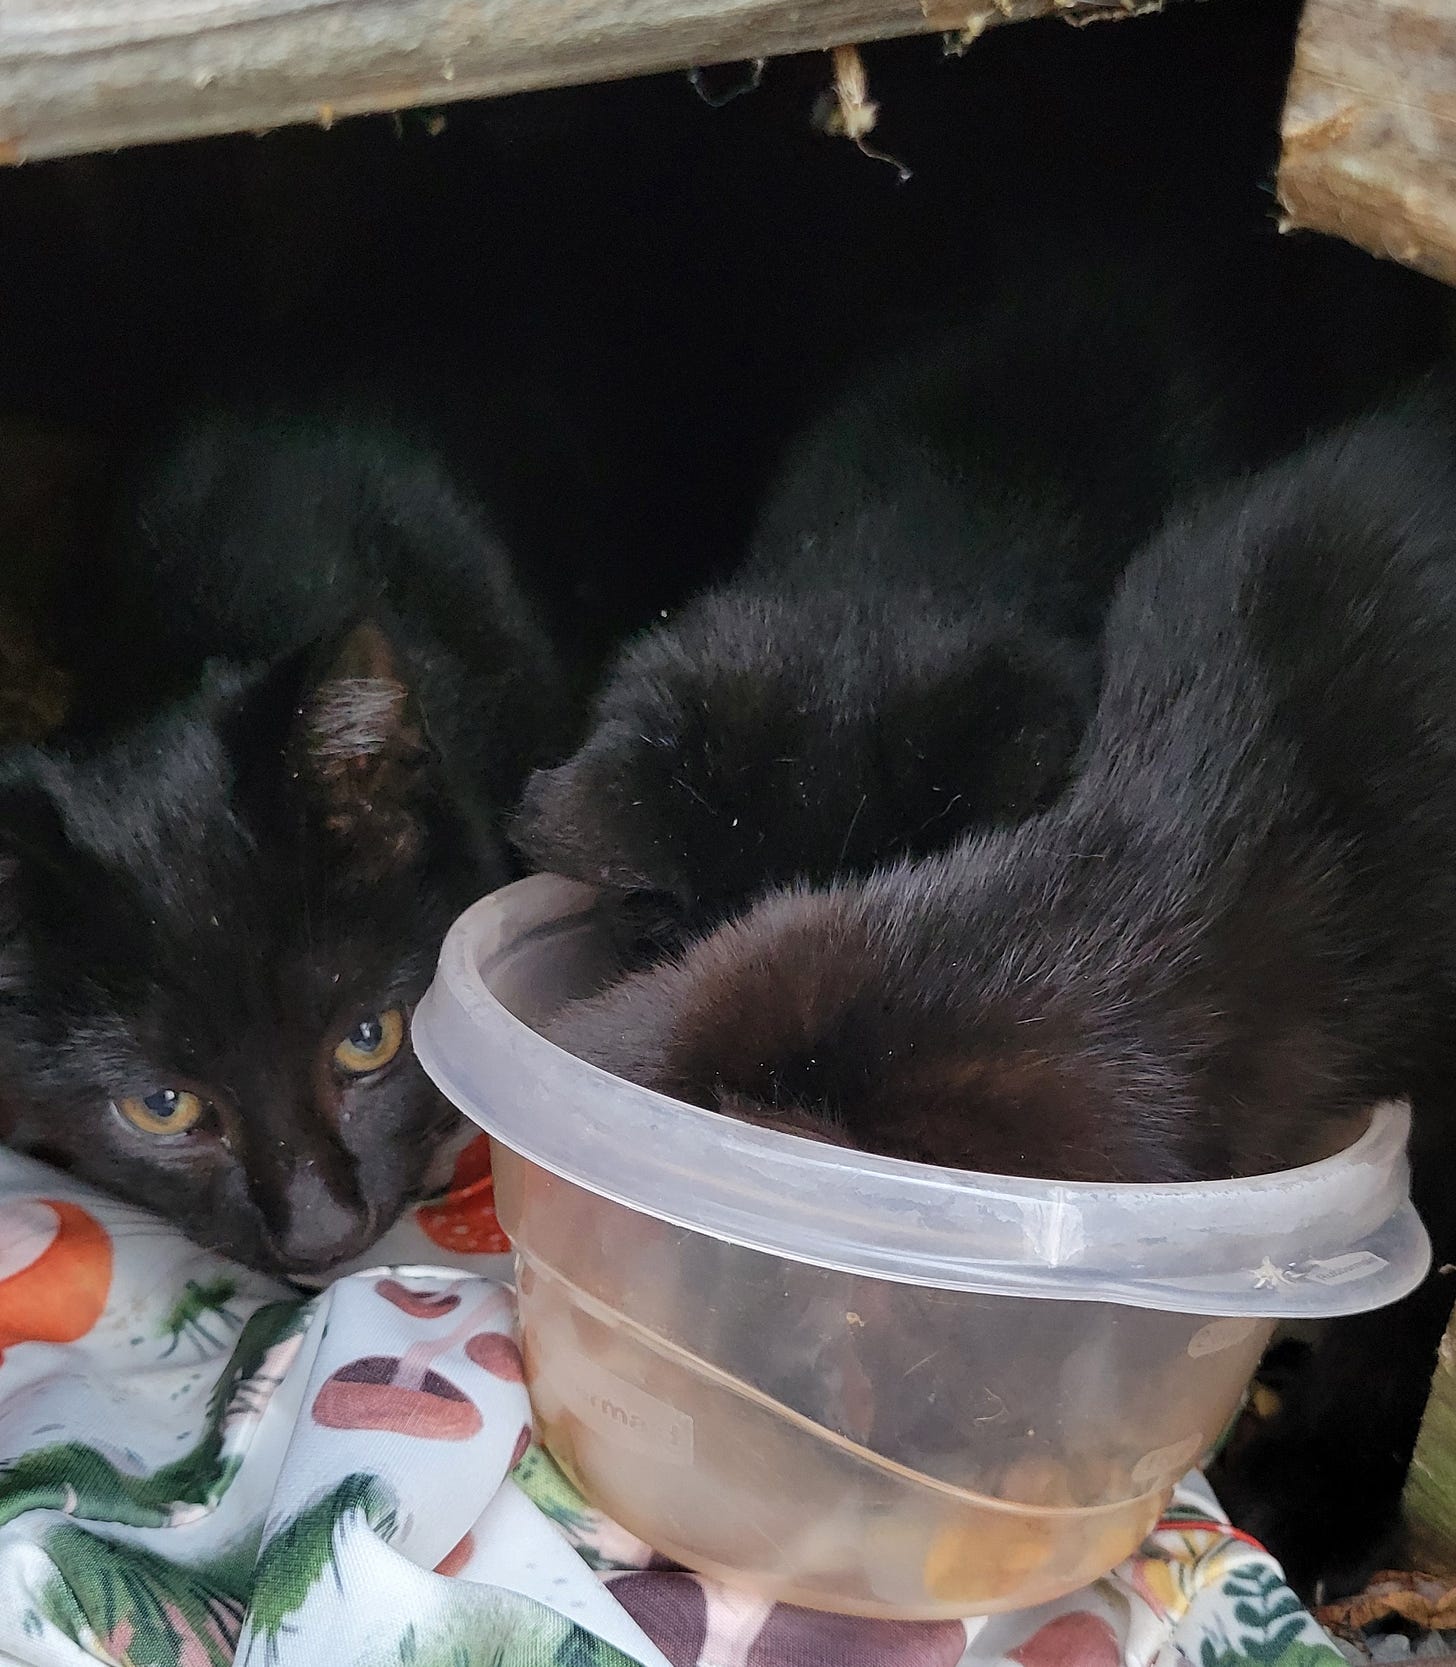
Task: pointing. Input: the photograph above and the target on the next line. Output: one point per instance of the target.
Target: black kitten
(1234, 933)
(217, 913)
(909, 650)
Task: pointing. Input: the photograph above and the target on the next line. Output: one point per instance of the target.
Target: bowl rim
(545, 905)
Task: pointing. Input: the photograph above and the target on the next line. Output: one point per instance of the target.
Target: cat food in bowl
(854, 1382)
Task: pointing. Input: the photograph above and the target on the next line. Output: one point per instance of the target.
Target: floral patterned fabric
(198, 1467)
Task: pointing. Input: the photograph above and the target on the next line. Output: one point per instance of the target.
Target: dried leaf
(1418, 1599)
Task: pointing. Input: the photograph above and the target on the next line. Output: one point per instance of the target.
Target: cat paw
(1329, 1526)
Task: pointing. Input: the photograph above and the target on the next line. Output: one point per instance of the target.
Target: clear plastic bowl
(854, 1382)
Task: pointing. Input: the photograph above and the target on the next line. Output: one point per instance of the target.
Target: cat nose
(317, 1228)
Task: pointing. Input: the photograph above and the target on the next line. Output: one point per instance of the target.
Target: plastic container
(854, 1382)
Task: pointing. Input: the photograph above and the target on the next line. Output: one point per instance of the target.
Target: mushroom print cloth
(199, 1467)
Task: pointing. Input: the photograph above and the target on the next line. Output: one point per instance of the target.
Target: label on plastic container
(631, 1417)
(1340, 1270)
(1219, 1335)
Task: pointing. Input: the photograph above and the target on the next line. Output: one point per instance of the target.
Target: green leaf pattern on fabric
(223, 1475)
(303, 1550)
(203, 1303)
(133, 1606)
(79, 1479)
(499, 1629)
(1269, 1627)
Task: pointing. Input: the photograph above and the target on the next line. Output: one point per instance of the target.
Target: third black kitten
(1235, 932)
(313, 690)
(909, 650)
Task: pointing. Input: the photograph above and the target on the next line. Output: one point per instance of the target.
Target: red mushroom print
(457, 1557)
(419, 1305)
(1076, 1639)
(522, 1447)
(377, 1392)
(401, 1393)
(464, 1221)
(498, 1355)
(55, 1272)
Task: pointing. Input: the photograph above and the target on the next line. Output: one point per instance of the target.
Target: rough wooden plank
(81, 75)
(1369, 150)
(1430, 1492)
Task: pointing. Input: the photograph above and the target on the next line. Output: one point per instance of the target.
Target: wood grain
(1369, 131)
(84, 75)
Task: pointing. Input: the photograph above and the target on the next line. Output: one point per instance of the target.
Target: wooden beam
(1369, 150)
(85, 75)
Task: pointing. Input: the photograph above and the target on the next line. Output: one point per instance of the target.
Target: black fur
(909, 651)
(252, 537)
(1234, 932)
(245, 857)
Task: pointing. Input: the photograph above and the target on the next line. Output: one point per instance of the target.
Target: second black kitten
(909, 650)
(313, 688)
(1234, 934)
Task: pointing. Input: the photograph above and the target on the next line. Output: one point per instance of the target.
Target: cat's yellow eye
(371, 1044)
(167, 1111)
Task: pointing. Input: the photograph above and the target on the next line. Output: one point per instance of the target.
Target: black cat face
(214, 934)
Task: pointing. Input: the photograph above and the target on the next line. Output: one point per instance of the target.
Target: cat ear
(359, 747)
